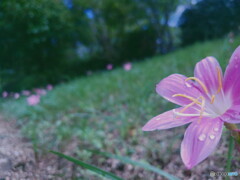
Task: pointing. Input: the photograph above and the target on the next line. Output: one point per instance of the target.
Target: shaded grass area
(106, 111)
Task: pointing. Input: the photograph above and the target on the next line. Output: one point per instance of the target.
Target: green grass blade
(230, 155)
(88, 166)
(143, 165)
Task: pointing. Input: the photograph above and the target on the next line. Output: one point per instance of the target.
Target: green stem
(234, 133)
(230, 154)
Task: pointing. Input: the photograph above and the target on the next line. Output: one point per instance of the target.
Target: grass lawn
(105, 111)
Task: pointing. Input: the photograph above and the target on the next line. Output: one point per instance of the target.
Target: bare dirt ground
(169, 160)
(18, 161)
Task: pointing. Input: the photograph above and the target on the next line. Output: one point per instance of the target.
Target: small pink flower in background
(16, 95)
(40, 91)
(127, 66)
(49, 87)
(109, 67)
(33, 100)
(4, 94)
(26, 92)
(208, 100)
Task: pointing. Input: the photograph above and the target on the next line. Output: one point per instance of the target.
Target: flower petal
(169, 120)
(200, 140)
(176, 84)
(231, 81)
(209, 72)
(232, 115)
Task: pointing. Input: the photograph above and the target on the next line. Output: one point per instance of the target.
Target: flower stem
(234, 133)
(230, 154)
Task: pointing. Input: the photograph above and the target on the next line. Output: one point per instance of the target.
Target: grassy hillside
(106, 111)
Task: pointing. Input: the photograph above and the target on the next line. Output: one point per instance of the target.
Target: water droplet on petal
(188, 85)
(202, 137)
(212, 136)
(216, 129)
(226, 118)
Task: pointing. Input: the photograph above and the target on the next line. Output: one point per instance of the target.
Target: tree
(33, 37)
(209, 19)
(158, 14)
(114, 23)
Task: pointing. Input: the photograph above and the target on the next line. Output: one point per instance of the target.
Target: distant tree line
(209, 19)
(49, 41)
(38, 38)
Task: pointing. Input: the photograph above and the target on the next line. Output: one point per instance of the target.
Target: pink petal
(200, 140)
(232, 115)
(33, 100)
(207, 71)
(176, 84)
(232, 76)
(168, 120)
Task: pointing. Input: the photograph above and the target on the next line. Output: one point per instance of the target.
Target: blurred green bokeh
(52, 41)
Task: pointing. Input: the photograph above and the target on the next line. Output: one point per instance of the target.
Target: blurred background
(55, 41)
(81, 74)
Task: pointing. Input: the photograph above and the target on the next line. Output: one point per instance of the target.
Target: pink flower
(208, 100)
(33, 100)
(109, 67)
(40, 91)
(4, 94)
(26, 93)
(16, 95)
(49, 87)
(127, 66)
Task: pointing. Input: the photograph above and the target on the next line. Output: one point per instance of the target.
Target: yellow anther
(219, 80)
(188, 97)
(199, 82)
(200, 115)
(212, 99)
(187, 106)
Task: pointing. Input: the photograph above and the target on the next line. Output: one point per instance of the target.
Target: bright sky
(175, 16)
(173, 22)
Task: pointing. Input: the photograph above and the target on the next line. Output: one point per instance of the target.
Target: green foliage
(141, 21)
(33, 37)
(121, 158)
(138, 44)
(209, 19)
(39, 37)
(138, 164)
(88, 166)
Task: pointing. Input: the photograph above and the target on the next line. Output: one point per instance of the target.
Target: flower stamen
(187, 106)
(188, 115)
(188, 97)
(195, 101)
(202, 108)
(212, 99)
(219, 80)
(199, 82)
